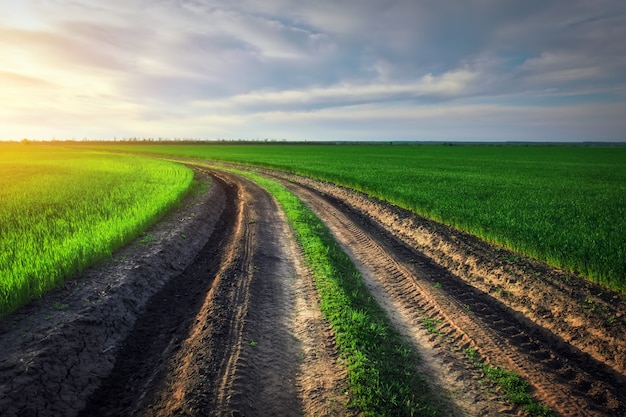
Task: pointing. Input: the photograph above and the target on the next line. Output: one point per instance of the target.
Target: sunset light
(281, 69)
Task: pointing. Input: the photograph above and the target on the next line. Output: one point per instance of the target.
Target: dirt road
(563, 335)
(213, 312)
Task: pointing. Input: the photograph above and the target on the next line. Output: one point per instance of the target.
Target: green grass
(564, 205)
(515, 388)
(381, 365)
(62, 210)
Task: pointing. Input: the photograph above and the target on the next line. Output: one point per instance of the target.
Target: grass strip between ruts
(382, 375)
(381, 365)
(516, 389)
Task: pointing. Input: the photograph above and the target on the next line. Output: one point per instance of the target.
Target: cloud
(211, 66)
(446, 86)
(459, 121)
(21, 81)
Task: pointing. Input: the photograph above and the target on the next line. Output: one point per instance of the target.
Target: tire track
(574, 310)
(561, 376)
(201, 376)
(242, 332)
(242, 279)
(147, 371)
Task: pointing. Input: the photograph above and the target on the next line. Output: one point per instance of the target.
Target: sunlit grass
(62, 210)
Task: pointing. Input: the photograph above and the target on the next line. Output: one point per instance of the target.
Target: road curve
(213, 312)
(239, 345)
(418, 292)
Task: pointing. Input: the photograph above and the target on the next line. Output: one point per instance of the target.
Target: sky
(323, 70)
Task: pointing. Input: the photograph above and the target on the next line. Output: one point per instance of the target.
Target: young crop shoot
(63, 209)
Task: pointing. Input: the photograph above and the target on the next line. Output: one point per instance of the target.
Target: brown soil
(215, 313)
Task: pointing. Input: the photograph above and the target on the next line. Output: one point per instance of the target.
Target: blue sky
(473, 70)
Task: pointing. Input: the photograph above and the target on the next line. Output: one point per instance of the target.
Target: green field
(62, 210)
(564, 205)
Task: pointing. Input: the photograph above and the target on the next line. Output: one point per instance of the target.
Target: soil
(214, 312)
